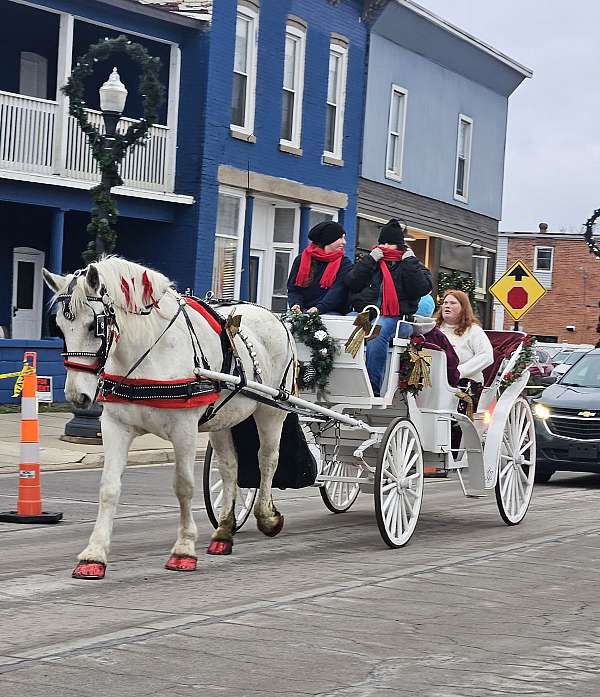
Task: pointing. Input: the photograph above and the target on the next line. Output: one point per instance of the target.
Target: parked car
(569, 360)
(542, 364)
(567, 420)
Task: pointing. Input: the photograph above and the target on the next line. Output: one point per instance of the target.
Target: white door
(28, 293)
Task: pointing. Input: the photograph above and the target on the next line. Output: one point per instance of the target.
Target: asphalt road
(471, 608)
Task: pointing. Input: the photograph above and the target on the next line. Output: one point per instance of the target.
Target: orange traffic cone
(29, 502)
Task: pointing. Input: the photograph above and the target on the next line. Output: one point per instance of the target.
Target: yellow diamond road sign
(518, 290)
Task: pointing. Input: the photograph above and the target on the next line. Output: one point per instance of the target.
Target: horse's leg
(184, 436)
(222, 538)
(93, 559)
(269, 423)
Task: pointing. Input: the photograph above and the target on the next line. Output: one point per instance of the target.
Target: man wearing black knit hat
(316, 281)
(394, 280)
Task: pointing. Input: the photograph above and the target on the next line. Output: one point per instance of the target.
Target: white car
(567, 361)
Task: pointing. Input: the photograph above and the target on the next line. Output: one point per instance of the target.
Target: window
(227, 258)
(544, 257)
(284, 245)
(317, 216)
(480, 264)
(244, 71)
(33, 75)
(336, 97)
(293, 86)
(463, 158)
(395, 143)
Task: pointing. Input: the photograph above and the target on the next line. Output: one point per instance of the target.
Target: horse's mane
(133, 289)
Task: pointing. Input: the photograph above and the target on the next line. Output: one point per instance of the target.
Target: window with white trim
(33, 75)
(336, 98)
(544, 259)
(284, 249)
(480, 266)
(395, 142)
(228, 239)
(293, 86)
(243, 95)
(463, 158)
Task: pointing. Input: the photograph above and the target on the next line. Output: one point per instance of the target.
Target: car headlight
(541, 411)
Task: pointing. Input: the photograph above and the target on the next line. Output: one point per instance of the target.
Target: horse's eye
(91, 327)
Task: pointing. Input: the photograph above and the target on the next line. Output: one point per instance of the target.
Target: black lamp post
(85, 424)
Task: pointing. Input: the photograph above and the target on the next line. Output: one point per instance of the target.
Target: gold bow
(362, 326)
(420, 373)
(466, 397)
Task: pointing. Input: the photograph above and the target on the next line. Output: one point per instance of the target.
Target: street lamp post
(85, 424)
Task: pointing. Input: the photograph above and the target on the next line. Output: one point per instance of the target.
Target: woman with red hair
(456, 320)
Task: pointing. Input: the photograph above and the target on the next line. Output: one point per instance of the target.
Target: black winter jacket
(334, 299)
(411, 278)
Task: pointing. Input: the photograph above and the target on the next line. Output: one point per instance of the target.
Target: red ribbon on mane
(333, 259)
(390, 306)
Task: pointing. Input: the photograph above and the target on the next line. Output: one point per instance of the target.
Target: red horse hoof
(220, 547)
(91, 570)
(181, 562)
(277, 528)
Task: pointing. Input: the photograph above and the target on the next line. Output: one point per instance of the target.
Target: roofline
(465, 36)
(156, 12)
(541, 235)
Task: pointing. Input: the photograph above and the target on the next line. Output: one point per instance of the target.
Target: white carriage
(381, 445)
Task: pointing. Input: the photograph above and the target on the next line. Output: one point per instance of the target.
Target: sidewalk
(58, 455)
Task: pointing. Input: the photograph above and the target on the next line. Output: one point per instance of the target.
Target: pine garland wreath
(588, 235)
(457, 281)
(309, 329)
(525, 359)
(104, 211)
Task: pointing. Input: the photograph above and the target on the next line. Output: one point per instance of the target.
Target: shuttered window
(225, 282)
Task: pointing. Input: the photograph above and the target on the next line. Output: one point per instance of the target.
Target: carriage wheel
(398, 483)
(213, 492)
(339, 496)
(516, 468)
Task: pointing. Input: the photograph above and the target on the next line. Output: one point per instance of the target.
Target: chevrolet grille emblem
(587, 413)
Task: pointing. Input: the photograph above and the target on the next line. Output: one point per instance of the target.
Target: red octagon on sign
(517, 297)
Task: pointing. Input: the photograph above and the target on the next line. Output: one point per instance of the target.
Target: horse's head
(81, 319)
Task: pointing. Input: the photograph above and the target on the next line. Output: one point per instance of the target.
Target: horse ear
(92, 277)
(54, 281)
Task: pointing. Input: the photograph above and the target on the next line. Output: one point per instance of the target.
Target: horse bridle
(103, 321)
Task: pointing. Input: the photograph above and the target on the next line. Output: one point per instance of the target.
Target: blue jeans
(377, 349)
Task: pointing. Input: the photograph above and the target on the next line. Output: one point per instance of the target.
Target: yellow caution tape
(9, 375)
(27, 369)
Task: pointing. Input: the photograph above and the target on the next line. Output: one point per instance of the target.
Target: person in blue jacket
(316, 281)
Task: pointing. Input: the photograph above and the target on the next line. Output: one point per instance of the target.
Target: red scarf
(333, 259)
(390, 307)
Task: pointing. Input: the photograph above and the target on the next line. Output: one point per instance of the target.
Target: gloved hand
(408, 254)
(376, 254)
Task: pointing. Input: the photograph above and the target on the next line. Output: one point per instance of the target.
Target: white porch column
(172, 116)
(63, 71)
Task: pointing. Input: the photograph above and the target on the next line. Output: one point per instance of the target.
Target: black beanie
(326, 232)
(392, 233)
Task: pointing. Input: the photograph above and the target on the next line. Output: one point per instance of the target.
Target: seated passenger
(456, 320)
(438, 338)
(393, 279)
(316, 281)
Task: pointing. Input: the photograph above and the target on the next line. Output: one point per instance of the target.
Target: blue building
(434, 140)
(46, 169)
(281, 140)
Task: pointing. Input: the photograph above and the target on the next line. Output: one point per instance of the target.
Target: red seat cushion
(504, 345)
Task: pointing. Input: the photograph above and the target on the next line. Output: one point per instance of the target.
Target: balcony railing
(31, 130)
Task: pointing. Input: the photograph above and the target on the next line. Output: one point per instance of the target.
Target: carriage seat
(504, 345)
(440, 396)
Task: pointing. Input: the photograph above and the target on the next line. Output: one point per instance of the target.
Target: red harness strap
(139, 386)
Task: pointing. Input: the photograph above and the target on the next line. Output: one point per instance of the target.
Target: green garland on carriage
(525, 359)
(309, 329)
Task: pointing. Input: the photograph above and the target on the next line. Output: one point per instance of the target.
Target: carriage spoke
(403, 513)
(394, 515)
(218, 500)
(388, 475)
(387, 487)
(407, 503)
(388, 502)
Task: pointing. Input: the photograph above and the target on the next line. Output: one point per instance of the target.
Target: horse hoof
(181, 562)
(276, 529)
(220, 547)
(90, 570)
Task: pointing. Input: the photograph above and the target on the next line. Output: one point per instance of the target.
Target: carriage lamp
(541, 411)
(113, 95)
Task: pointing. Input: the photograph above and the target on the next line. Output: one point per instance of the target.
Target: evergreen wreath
(588, 233)
(457, 281)
(312, 332)
(524, 360)
(104, 211)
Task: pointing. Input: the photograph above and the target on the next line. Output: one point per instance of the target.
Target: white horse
(110, 314)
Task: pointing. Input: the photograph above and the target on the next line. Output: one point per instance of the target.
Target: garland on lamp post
(457, 281)
(109, 152)
(588, 235)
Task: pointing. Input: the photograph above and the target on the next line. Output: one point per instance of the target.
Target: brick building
(562, 263)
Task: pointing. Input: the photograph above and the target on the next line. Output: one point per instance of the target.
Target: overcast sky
(552, 170)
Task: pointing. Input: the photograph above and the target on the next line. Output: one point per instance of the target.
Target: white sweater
(473, 349)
